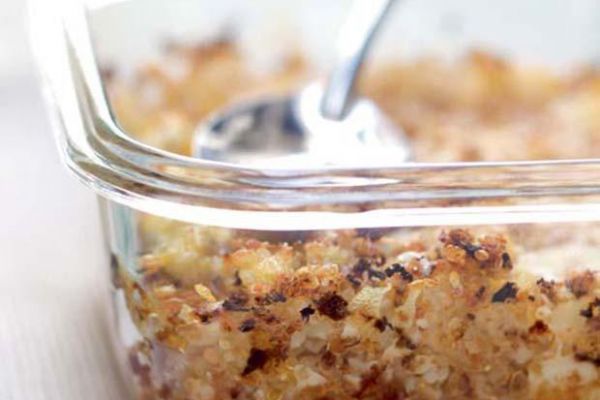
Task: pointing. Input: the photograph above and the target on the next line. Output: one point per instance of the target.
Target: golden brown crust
(349, 317)
(480, 108)
(442, 314)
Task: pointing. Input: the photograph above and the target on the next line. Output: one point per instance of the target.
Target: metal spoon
(317, 127)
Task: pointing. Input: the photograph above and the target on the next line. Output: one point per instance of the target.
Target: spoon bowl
(289, 132)
(321, 125)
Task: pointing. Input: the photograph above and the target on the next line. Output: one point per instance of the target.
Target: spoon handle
(354, 40)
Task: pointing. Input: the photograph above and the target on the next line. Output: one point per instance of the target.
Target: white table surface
(54, 334)
(53, 322)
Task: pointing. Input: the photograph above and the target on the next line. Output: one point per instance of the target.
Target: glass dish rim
(123, 169)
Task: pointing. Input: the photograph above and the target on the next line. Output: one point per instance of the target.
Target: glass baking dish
(471, 272)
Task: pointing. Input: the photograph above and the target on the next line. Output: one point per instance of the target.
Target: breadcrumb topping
(368, 314)
(468, 328)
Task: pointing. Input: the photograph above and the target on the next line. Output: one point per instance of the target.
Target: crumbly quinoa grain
(467, 328)
(480, 108)
(452, 314)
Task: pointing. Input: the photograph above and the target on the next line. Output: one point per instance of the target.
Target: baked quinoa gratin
(502, 312)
